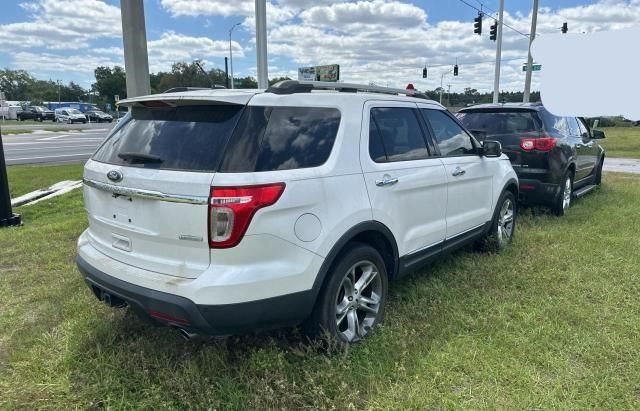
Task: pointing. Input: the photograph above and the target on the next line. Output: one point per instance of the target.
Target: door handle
(387, 180)
(458, 172)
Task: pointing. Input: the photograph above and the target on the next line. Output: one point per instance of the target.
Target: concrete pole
(261, 43)
(134, 37)
(496, 80)
(532, 36)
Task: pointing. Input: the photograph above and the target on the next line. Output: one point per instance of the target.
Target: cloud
(62, 24)
(173, 47)
(390, 41)
(47, 63)
(209, 7)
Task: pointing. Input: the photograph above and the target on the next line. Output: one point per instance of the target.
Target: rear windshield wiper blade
(140, 158)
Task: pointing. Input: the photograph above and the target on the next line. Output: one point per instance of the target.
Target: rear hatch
(147, 187)
(508, 126)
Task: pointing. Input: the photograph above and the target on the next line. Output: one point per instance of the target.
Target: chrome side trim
(465, 232)
(425, 247)
(148, 194)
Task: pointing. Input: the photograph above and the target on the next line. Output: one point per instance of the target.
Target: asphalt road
(53, 147)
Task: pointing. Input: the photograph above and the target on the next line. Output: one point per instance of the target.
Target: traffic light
(477, 25)
(565, 28)
(424, 72)
(493, 31)
(455, 70)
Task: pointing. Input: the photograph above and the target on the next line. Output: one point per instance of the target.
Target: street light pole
(496, 80)
(58, 93)
(231, 53)
(532, 36)
(7, 218)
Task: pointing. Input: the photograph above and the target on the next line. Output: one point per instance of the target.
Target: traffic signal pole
(496, 80)
(7, 218)
(532, 36)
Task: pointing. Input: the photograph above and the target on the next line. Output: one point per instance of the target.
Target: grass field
(622, 141)
(552, 323)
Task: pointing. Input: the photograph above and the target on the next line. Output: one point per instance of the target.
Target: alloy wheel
(505, 222)
(566, 194)
(358, 301)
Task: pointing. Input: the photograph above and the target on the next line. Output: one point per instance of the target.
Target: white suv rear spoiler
(209, 96)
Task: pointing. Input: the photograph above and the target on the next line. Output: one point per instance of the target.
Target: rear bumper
(536, 192)
(162, 308)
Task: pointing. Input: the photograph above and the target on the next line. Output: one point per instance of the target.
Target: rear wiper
(139, 158)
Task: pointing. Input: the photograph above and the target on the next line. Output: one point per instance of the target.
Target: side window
(281, 138)
(400, 133)
(376, 149)
(574, 130)
(450, 137)
(555, 125)
(584, 132)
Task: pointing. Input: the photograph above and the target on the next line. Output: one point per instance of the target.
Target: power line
(490, 16)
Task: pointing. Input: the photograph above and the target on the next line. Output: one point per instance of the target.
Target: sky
(386, 42)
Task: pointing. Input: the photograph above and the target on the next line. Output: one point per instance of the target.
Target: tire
(597, 179)
(562, 202)
(340, 310)
(503, 225)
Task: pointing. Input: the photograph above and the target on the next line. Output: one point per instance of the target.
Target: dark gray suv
(556, 158)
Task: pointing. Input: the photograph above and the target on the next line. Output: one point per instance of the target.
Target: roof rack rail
(294, 86)
(183, 88)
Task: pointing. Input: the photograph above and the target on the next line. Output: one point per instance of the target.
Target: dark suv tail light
(232, 208)
(540, 144)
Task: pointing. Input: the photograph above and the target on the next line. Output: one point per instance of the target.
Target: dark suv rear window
(493, 123)
(190, 138)
(281, 138)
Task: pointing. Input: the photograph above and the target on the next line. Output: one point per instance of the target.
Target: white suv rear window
(189, 138)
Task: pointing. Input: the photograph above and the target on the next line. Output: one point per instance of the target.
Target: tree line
(19, 85)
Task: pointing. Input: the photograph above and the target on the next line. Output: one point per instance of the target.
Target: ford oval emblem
(114, 175)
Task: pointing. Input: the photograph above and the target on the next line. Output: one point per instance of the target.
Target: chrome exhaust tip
(188, 336)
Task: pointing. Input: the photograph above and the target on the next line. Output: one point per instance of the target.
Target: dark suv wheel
(354, 298)
(564, 197)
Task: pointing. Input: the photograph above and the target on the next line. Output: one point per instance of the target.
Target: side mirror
(491, 148)
(597, 134)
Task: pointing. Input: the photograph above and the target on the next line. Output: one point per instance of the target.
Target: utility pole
(134, 37)
(231, 51)
(7, 218)
(58, 93)
(448, 95)
(261, 43)
(496, 81)
(441, 78)
(226, 72)
(532, 36)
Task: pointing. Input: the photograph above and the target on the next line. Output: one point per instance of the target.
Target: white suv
(228, 211)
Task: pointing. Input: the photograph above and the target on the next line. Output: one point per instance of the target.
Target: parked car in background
(230, 211)
(70, 116)
(35, 113)
(45, 113)
(556, 158)
(98, 116)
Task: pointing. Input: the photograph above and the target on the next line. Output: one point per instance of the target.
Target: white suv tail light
(232, 208)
